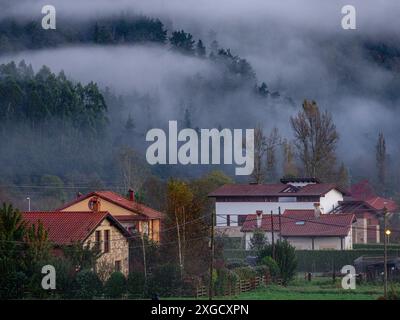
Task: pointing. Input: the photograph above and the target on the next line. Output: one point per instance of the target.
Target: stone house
(99, 229)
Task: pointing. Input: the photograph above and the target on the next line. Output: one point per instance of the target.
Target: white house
(304, 229)
(233, 202)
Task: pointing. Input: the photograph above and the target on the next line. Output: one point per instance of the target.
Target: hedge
(375, 246)
(327, 260)
(318, 260)
(233, 242)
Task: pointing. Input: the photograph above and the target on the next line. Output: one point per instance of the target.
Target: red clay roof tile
(121, 201)
(295, 223)
(68, 227)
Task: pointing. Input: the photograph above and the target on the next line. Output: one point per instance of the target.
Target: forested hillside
(80, 135)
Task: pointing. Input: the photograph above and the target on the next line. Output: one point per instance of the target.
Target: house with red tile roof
(368, 208)
(233, 202)
(98, 229)
(363, 191)
(134, 216)
(304, 229)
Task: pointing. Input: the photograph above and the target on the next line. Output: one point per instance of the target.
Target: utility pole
(385, 271)
(273, 238)
(280, 224)
(210, 288)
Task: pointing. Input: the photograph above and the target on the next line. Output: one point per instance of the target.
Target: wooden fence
(239, 287)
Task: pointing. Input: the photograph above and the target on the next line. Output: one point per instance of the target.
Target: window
(118, 265)
(106, 241)
(145, 227)
(97, 237)
(287, 199)
(241, 219)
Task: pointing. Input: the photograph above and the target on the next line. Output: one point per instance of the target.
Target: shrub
(392, 294)
(88, 284)
(272, 266)
(245, 273)
(236, 264)
(165, 280)
(66, 277)
(12, 285)
(258, 241)
(285, 257)
(115, 286)
(261, 270)
(225, 278)
(136, 283)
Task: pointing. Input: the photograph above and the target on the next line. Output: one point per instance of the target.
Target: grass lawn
(317, 289)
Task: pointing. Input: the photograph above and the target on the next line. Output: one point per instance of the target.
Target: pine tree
(130, 124)
(200, 49)
(182, 41)
(263, 90)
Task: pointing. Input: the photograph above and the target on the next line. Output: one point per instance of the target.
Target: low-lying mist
(297, 47)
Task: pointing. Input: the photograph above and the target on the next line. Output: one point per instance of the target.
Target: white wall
(244, 208)
(305, 243)
(331, 200)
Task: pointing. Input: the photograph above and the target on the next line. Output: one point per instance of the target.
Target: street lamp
(388, 233)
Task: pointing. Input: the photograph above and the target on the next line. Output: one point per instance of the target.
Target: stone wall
(118, 249)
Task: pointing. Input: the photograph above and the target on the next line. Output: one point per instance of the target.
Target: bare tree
(133, 172)
(315, 139)
(343, 176)
(289, 166)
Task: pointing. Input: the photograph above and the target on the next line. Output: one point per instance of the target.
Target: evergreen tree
(263, 90)
(130, 124)
(182, 42)
(200, 49)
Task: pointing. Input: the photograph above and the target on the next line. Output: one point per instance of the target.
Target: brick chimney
(259, 218)
(317, 210)
(131, 194)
